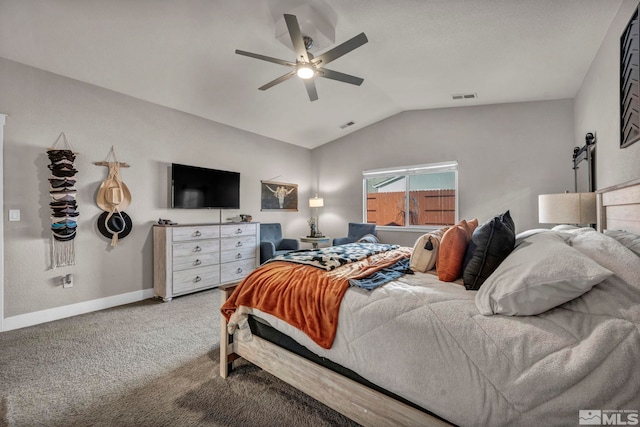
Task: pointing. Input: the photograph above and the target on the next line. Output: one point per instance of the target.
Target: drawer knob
(238, 244)
(238, 256)
(197, 262)
(197, 234)
(239, 270)
(197, 279)
(239, 231)
(197, 249)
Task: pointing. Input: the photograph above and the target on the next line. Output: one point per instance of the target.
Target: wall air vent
(346, 125)
(465, 96)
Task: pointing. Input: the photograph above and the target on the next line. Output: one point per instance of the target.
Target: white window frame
(451, 166)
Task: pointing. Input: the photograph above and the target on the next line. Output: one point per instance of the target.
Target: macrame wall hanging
(63, 204)
(113, 198)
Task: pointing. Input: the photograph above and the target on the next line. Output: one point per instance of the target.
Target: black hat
(119, 223)
(63, 235)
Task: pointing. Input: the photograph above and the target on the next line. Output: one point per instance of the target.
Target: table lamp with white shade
(567, 208)
(316, 202)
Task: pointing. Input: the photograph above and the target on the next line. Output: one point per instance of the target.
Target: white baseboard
(43, 316)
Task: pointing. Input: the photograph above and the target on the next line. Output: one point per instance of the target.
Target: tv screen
(201, 188)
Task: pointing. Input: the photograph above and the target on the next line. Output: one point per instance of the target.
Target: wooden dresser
(192, 257)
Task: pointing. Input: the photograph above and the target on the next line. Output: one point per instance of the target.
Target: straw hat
(113, 194)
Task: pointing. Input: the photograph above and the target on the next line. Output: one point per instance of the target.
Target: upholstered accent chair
(272, 243)
(356, 231)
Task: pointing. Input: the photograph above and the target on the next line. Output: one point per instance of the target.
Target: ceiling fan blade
(341, 77)
(338, 51)
(296, 38)
(311, 89)
(265, 58)
(278, 80)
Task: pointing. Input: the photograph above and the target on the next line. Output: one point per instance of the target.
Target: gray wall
(148, 137)
(597, 108)
(507, 154)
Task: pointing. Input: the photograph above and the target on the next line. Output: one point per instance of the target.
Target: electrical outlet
(14, 214)
(67, 281)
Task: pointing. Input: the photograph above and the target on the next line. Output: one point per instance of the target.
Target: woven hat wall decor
(63, 202)
(113, 198)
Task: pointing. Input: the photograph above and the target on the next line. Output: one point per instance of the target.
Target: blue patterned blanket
(334, 256)
(383, 276)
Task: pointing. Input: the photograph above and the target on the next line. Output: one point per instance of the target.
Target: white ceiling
(180, 54)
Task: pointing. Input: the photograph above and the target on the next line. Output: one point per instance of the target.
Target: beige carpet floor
(143, 364)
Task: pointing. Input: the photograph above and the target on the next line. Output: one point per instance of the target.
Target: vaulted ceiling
(180, 54)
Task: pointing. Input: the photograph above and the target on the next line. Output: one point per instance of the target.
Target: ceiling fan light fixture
(305, 72)
(306, 66)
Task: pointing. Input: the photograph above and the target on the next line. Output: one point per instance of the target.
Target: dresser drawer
(196, 248)
(194, 261)
(234, 230)
(195, 233)
(237, 243)
(237, 270)
(195, 278)
(237, 254)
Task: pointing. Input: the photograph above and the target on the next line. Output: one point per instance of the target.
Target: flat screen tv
(194, 187)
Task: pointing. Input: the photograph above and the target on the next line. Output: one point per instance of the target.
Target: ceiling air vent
(465, 96)
(346, 125)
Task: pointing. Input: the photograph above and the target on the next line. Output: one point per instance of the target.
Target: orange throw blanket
(304, 296)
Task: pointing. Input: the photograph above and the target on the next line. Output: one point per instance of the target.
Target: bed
(436, 359)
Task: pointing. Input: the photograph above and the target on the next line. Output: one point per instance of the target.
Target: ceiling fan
(307, 66)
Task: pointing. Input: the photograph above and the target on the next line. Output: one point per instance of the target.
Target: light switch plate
(14, 214)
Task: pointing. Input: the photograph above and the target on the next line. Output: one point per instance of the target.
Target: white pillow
(424, 255)
(526, 233)
(540, 274)
(630, 240)
(610, 254)
(565, 227)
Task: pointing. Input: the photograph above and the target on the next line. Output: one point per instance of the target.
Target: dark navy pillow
(489, 246)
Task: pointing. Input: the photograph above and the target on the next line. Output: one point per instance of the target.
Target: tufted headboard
(619, 207)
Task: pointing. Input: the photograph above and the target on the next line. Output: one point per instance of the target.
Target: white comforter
(426, 341)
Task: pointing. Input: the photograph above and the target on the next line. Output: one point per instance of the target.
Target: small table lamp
(567, 208)
(316, 202)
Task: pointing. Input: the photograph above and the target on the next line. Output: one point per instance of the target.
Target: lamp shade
(567, 208)
(316, 202)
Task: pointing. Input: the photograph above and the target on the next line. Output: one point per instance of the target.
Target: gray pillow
(368, 238)
(543, 272)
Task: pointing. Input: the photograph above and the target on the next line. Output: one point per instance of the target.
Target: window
(412, 196)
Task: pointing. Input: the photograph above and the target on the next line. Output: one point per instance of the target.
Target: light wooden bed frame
(618, 208)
